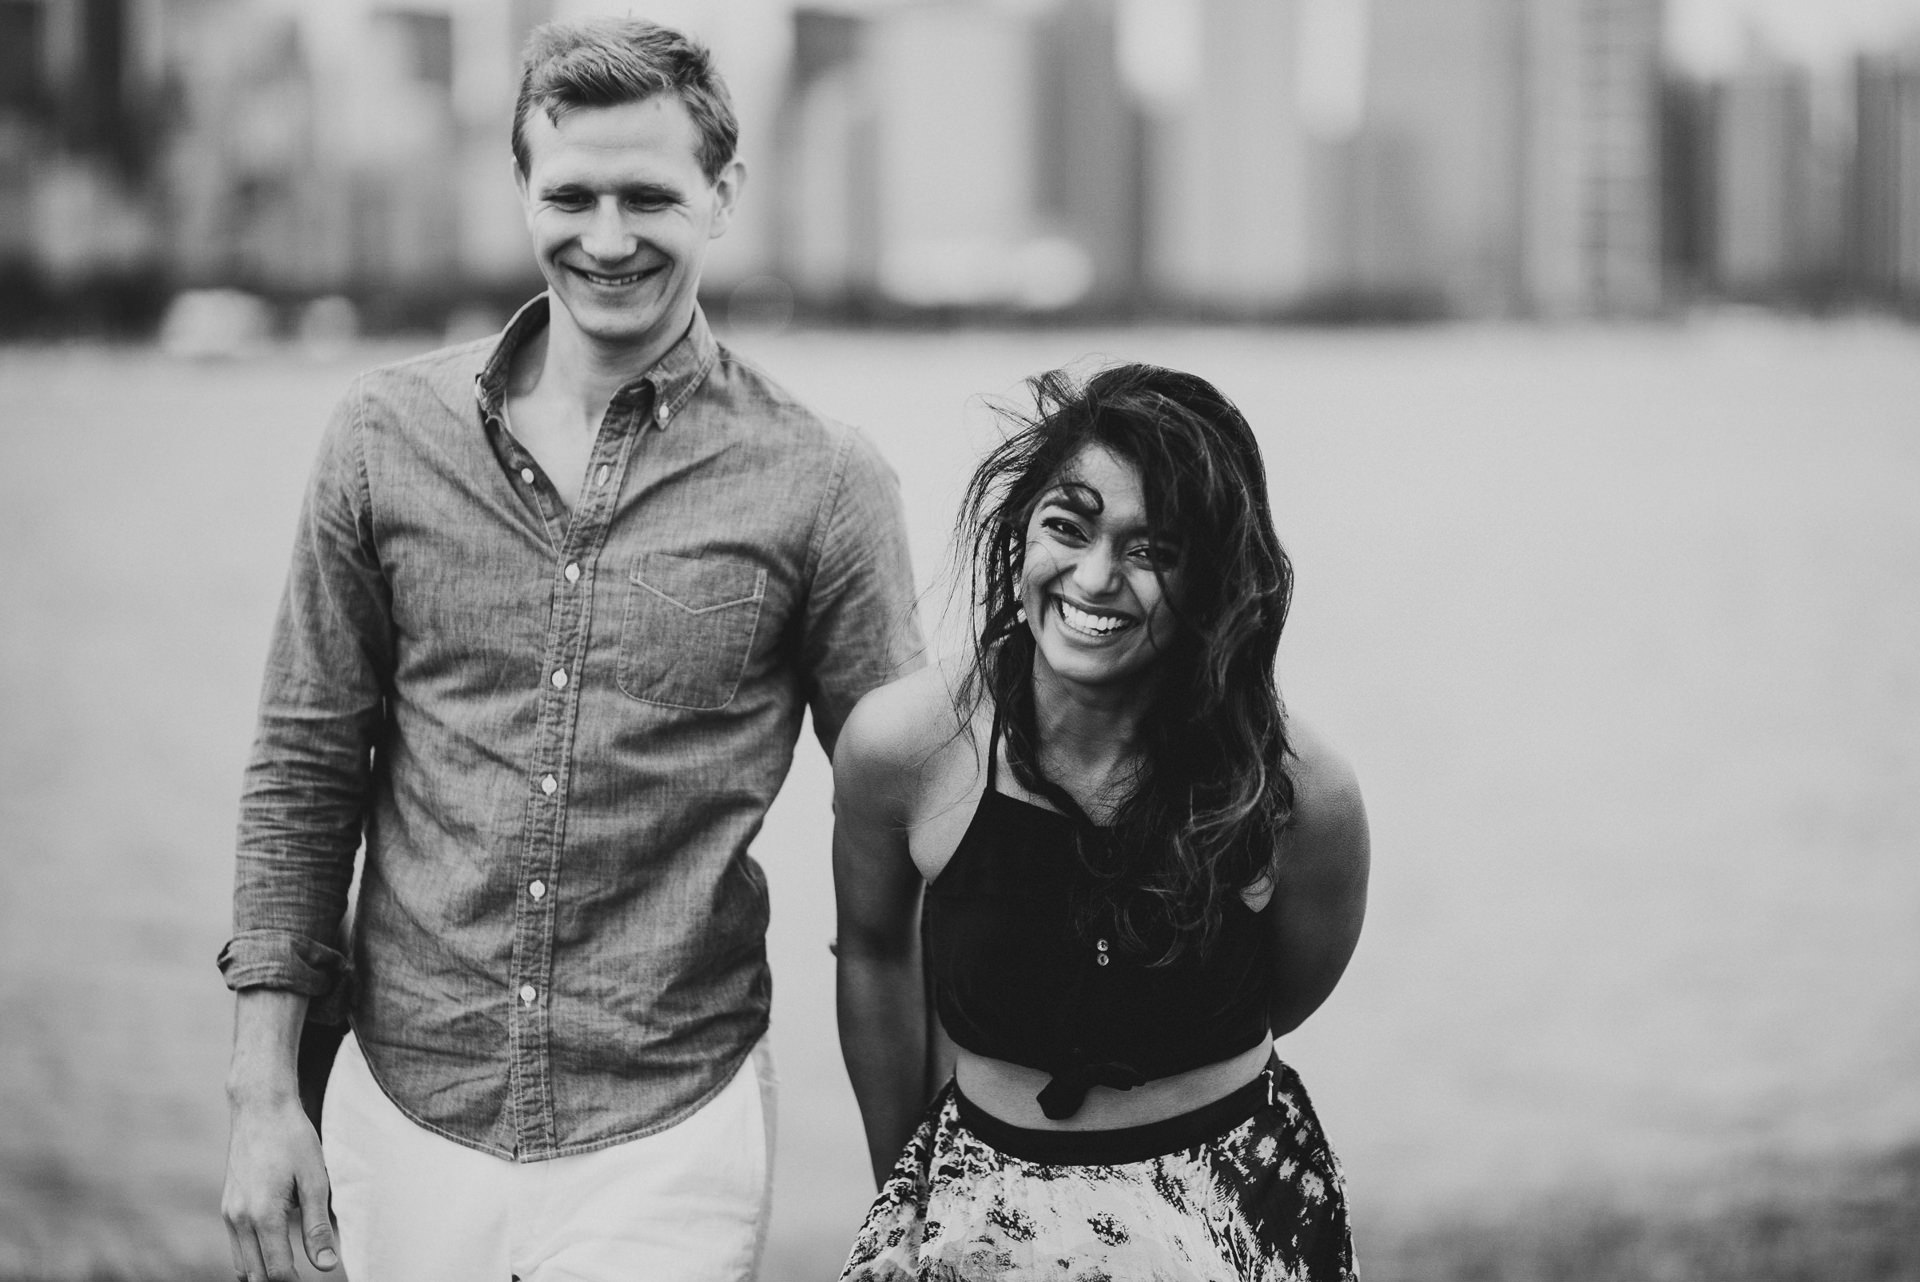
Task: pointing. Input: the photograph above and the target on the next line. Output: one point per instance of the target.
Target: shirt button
(600, 477)
(1102, 959)
(549, 784)
(664, 415)
(538, 890)
(527, 993)
(526, 474)
(573, 572)
(560, 679)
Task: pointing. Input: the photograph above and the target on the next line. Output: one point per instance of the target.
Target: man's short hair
(608, 62)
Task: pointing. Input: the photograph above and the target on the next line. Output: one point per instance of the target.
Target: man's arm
(860, 628)
(301, 815)
(879, 995)
(276, 1181)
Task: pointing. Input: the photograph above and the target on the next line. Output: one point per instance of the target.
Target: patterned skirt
(1243, 1190)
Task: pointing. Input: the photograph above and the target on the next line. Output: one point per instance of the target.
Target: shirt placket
(541, 882)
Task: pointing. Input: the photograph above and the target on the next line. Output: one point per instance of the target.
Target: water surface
(1618, 626)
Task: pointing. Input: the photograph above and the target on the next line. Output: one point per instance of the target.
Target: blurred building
(1520, 140)
(81, 109)
(1524, 158)
(357, 145)
(290, 148)
(1229, 197)
(1778, 206)
(1885, 232)
(960, 154)
(1439, 161)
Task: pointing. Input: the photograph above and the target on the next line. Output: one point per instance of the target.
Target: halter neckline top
(1015, 977)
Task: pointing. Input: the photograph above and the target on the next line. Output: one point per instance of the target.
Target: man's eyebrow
(648, 192)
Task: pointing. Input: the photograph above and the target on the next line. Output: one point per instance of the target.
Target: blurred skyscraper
(1440, 158)
(81, 111)
(1229, 211)
(1102, 157)
(286, 147)
(1777, 216)
(1521, 140)
(1885, 238)
(956, 154)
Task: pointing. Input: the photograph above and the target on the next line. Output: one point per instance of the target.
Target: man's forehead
(658, 128)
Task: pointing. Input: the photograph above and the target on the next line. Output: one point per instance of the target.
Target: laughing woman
(1137, 871)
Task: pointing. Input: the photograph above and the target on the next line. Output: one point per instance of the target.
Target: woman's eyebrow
(1077, 497)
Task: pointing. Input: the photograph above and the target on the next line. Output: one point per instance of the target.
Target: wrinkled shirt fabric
(557, 731)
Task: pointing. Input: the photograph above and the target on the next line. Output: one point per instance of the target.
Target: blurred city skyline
(1250, 159)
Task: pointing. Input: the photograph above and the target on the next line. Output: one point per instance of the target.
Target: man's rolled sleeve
(860, 627)
(322, 703)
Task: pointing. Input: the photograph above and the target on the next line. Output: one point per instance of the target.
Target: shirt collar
(673, 380)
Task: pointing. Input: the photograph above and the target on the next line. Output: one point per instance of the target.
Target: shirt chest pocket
(688, 629)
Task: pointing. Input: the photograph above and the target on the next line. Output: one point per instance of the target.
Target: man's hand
(276, 1181)
(276, 1189)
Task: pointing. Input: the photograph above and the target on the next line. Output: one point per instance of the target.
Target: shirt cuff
(283, 960)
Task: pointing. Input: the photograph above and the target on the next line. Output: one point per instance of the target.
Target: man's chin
(617, 326)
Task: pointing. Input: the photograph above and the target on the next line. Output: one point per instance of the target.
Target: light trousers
(688, 1203)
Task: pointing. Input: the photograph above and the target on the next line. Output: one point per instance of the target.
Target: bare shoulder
(900, 737)
(1323, 777)
(1328, 831)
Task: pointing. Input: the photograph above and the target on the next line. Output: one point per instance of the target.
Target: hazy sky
(1708, 34)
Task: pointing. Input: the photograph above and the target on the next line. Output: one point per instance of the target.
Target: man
(557, 603)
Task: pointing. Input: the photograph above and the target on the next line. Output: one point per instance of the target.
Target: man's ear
(726, 194)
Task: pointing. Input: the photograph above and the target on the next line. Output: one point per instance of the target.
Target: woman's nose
(1093, 573)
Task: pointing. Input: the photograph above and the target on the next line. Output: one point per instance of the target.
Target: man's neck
(583, 373)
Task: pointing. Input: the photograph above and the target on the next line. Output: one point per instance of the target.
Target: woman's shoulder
(1329, 823)
(1323, 777)
(907, 728)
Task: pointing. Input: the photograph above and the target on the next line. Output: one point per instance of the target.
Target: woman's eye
(1061, 526)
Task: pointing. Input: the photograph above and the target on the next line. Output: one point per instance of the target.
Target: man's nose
(607, 238)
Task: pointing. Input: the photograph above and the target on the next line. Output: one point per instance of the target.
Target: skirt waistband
(1124, 1144)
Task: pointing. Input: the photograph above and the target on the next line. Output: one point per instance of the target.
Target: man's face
(620, 214)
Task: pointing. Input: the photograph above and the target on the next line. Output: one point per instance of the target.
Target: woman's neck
(1088, 737)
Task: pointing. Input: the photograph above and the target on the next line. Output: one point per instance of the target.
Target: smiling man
(558, 603)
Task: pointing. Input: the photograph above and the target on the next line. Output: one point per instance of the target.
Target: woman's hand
(880, 998)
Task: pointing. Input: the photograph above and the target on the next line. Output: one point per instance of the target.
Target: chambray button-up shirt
(557, 732)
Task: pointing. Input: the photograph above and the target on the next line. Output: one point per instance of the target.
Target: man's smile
(609, 281)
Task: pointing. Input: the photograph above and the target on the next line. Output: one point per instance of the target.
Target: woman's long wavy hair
(1212, 792)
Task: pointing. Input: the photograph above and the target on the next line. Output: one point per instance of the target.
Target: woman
(1137, 872)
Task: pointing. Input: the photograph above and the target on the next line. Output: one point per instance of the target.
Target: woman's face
(1096, 581)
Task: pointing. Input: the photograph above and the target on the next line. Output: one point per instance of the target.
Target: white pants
(690, 1202)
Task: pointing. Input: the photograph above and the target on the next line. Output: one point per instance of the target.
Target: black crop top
(1013, 979)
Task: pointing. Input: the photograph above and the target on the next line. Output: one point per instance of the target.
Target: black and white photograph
(960, 640)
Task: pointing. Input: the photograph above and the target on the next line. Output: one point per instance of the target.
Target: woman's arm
(1320, 881)
(879, 998)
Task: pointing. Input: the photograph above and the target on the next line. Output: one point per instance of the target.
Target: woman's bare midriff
(1007, 1092)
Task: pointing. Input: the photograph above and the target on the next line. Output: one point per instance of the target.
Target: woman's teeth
(1085, 621)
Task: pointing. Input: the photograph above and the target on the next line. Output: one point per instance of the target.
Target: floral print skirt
(1243, 1190)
